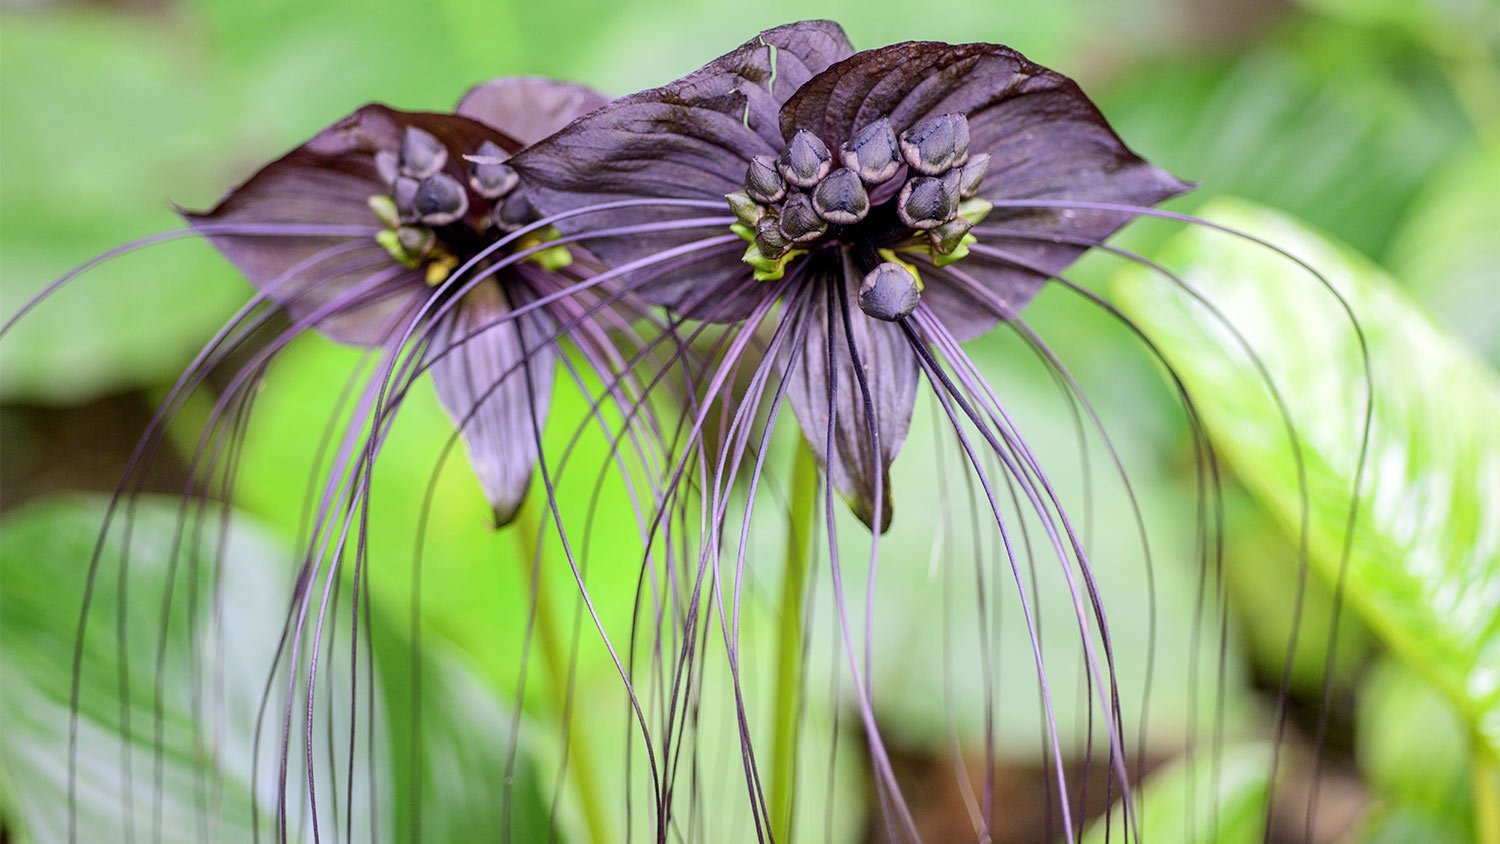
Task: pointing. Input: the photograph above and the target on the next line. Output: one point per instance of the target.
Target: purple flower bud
(388, 166)
(488, 177)
(840, 198)
(806, 160)
(972, 174)
(873, 152)
(763, 181)
(516, 212)
(769, 238)
(889, 292)
(799, 222)
(926, 203)
(493, 181)
(440, 200)
(936, 144)
(404, 191)
(422, 154)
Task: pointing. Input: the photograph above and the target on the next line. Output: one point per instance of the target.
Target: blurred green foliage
(1213, 800)
(217, 648)
(1414, 749)
(45, 552)
(1376, 123)
(1424, 567)
(1423, 570)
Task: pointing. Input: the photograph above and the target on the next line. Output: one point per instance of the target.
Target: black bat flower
(858, 181)
(409, 234)
(887, 205)
(439, 191)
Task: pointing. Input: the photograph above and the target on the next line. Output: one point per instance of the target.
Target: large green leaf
(1424, 569)
(44, 555)
(461, 746)
(1204, 801)
(1418, 775)
(1449, 27)
(1403, 825)
(1260, 559)
(209, 705)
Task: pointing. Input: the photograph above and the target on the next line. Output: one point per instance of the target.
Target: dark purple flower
(441, 192)
(857, 179)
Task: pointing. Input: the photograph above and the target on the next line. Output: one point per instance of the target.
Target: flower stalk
(802, 512)
(552, 641)
(1486, 776)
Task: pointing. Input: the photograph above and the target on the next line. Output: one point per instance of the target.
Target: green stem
(550, 638)
(1486, 777)
(801, 517)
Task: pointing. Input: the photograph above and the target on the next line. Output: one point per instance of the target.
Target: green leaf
(1441, 23)
(209, 707)
(463, 748)
(1203, 800)
(44, 555)
(1403, 825)
(1424, 572)
(1421, 772)
(1260, 560)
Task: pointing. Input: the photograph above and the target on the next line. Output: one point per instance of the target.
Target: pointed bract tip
(863, 508)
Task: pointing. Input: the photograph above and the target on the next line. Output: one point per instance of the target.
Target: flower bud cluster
(425, 199)
(793, 200)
